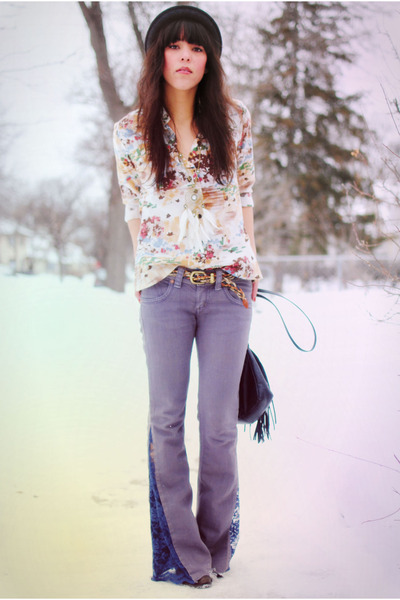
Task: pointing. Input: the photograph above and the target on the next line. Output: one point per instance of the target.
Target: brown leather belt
(208, 277)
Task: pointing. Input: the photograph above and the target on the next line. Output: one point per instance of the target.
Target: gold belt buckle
(200, 278)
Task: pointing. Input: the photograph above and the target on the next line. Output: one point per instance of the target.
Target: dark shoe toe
(202, 583)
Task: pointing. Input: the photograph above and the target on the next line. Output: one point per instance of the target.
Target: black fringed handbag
(255, 395)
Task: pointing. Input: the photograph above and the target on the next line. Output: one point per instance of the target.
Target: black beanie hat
(186, 13)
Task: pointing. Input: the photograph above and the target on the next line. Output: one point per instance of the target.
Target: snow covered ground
(315, 500)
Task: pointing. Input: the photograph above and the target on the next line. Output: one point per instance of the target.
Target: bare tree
(388, 204)
(385, 270)
(51, 211)
(116, 108)
(91, 234)
(7, 184)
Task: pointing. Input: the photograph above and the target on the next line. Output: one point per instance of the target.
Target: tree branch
(390, 109)
(94, 19)
(381, 518)
(371, 462)
(135, 25)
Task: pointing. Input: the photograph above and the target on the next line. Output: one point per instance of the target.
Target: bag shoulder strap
(260, 294)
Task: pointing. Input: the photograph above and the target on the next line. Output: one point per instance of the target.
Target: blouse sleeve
(245, 160)
(127, 175)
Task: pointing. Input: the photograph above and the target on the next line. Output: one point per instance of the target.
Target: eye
(173, 46)
(198, 49)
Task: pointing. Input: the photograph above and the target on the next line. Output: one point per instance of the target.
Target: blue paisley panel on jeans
(166, 564)
(234, 528)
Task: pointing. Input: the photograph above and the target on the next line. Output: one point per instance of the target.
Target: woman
(185, 166)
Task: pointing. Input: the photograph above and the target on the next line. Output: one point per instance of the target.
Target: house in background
(23, 251)
(15, 241)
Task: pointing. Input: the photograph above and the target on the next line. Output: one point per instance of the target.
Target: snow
(315, 499)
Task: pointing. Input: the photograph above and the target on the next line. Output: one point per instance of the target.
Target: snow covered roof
(9, 227)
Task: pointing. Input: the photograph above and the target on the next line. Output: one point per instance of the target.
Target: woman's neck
(180, 105)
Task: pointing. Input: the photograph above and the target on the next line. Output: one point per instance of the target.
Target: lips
(184, 70)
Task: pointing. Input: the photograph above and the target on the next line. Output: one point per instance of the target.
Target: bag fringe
(263, 424)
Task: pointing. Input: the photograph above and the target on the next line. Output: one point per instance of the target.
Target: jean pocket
(157, 292)
(245, 285)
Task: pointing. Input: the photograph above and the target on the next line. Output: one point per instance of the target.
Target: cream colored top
(192, 221)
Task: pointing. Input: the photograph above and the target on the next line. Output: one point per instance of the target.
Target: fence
(311, 272)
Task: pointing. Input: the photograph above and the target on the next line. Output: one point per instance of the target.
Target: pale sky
(44, 49)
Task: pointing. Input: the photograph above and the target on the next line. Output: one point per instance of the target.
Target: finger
(254, 291)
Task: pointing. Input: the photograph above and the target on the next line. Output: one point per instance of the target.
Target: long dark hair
(212, 102)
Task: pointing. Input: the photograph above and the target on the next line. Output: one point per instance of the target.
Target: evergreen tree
(307, 130)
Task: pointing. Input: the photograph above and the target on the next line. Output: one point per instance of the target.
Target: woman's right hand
(134, 228)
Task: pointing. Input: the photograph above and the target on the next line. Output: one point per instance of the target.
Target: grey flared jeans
(174, 313)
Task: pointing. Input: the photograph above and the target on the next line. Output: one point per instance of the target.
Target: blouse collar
(167, 128)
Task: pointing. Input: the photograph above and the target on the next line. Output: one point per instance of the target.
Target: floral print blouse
(192, 221)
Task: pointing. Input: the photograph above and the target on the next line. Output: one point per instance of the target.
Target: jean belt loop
(179, 277)
(218, 279)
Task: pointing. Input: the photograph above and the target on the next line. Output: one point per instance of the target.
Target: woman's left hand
(254, 290)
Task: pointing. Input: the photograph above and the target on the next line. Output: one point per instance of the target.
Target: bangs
(187, 31)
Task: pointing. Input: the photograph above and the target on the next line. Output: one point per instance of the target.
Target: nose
(185, 54)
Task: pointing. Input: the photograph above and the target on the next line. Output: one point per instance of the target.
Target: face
(184, 65)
